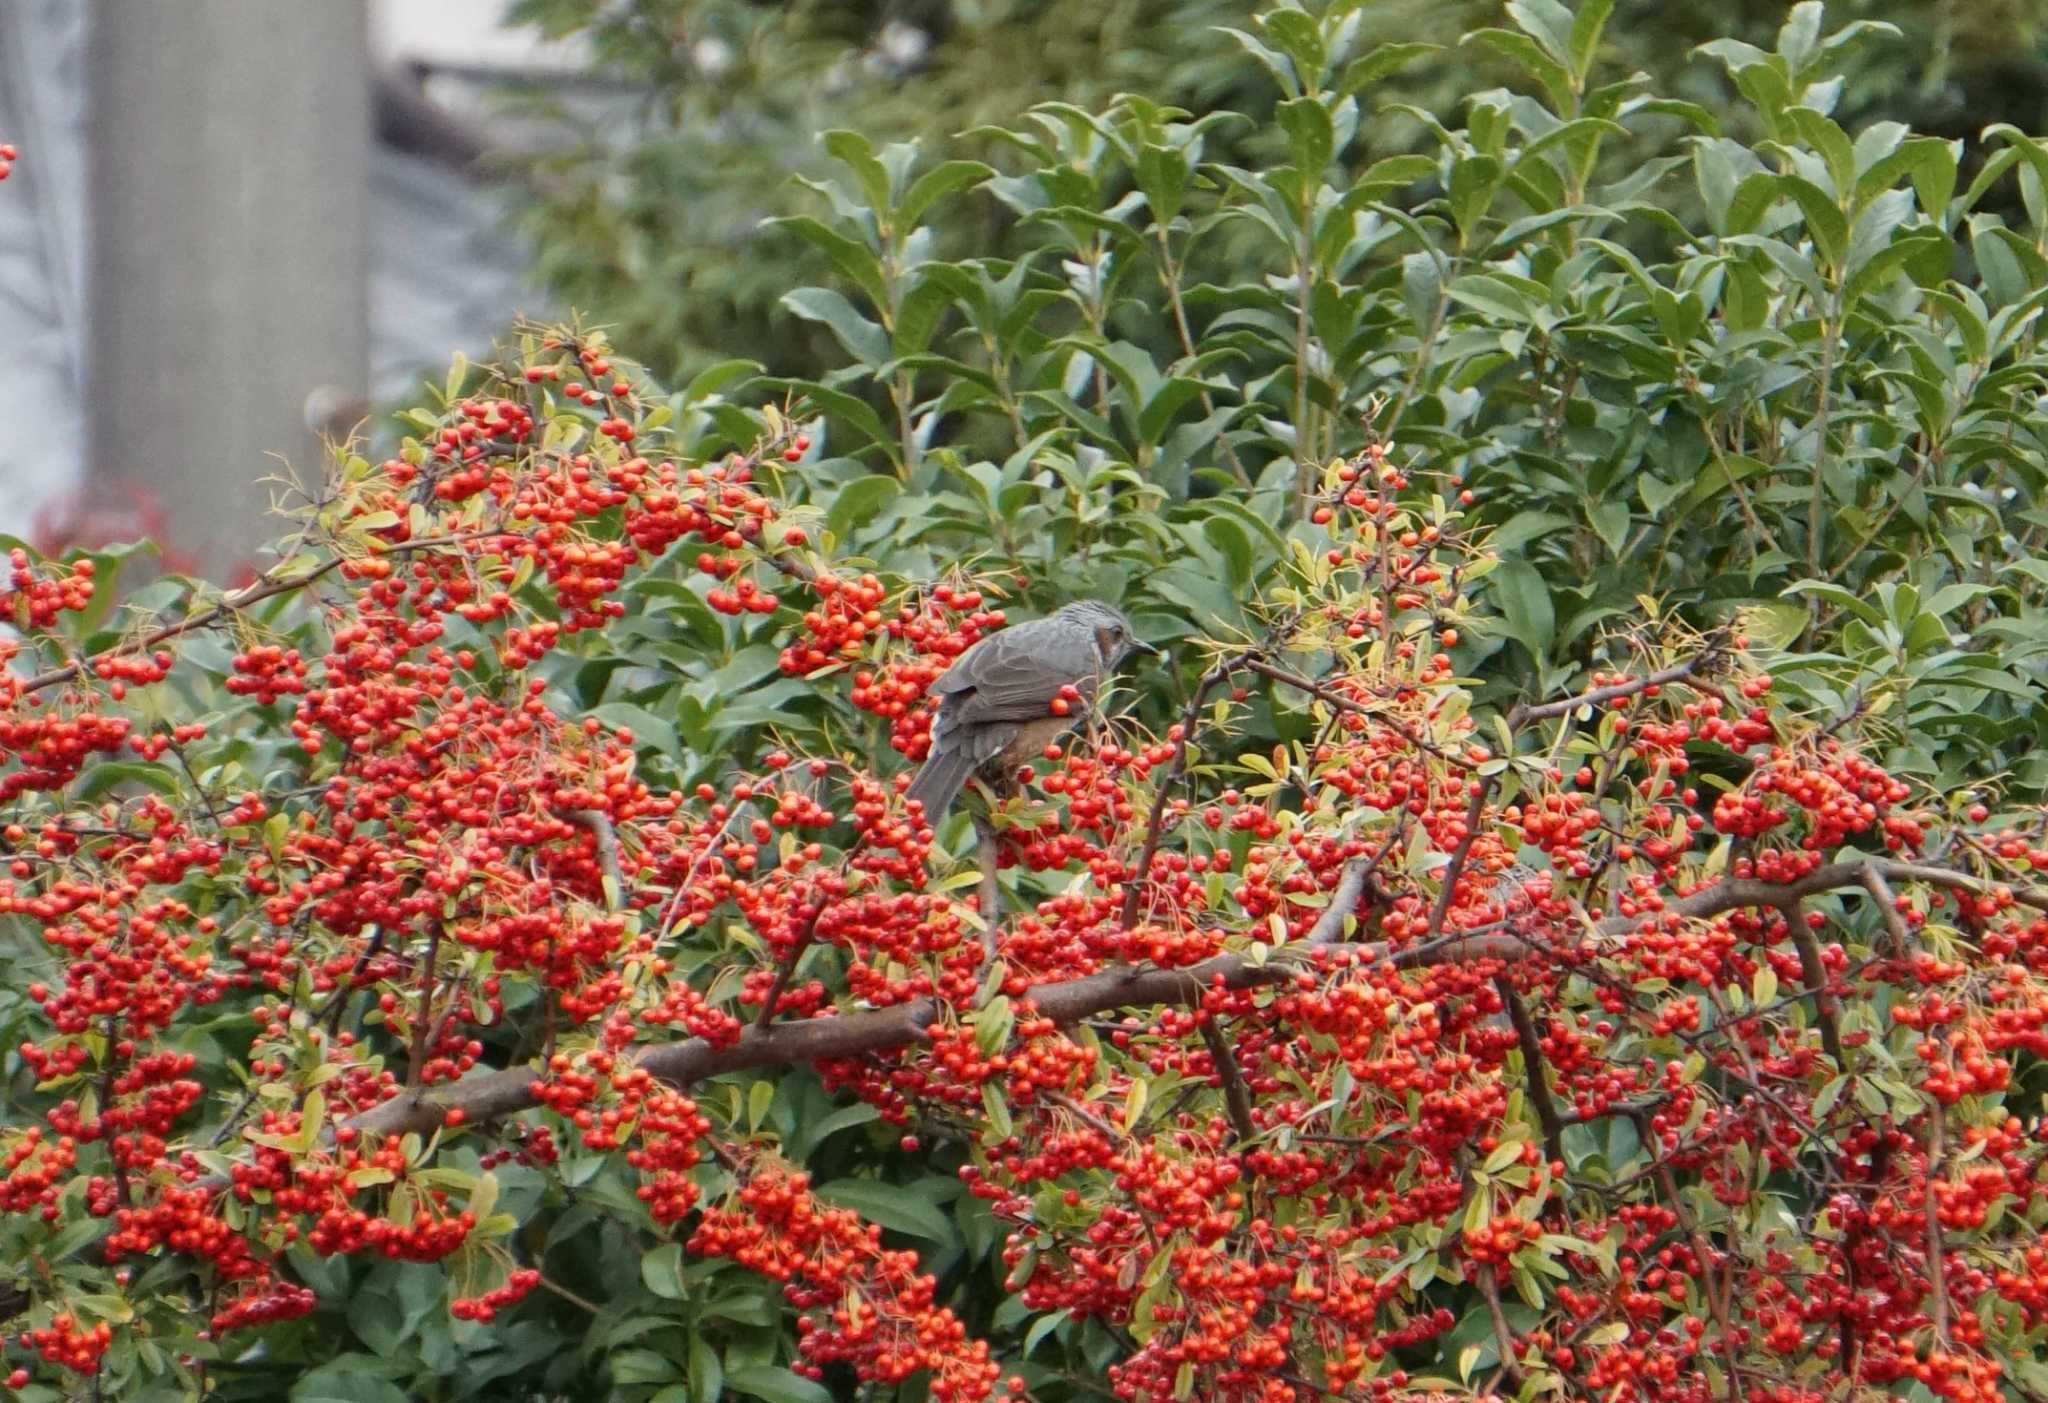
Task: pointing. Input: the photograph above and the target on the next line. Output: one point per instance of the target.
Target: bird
(998, 701)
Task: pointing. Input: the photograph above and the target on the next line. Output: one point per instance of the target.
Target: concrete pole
(228, 277)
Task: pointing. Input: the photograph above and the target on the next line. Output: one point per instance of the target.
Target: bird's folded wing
(1014, 675)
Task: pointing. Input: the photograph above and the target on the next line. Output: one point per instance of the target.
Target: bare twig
(1341, 702)
(1503, 1338)
(1155, 825)
(1533, 1067)
(991, 892)
(1521, 716)
(1236, 1099)
(1815, 972)
(1888, 906)
(1455, 868)
(600, 824)
(1937, 1272)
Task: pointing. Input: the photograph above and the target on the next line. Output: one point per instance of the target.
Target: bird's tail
(944, 771)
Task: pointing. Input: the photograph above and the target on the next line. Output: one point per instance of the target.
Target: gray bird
(996, 700)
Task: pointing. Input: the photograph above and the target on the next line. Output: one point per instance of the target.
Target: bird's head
(1113, 637)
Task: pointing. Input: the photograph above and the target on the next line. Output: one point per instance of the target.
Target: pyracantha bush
(1652, 1041)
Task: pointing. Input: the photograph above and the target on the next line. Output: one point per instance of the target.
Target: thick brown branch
(1329, 926)
(1066, 1002)
(1069, 1001)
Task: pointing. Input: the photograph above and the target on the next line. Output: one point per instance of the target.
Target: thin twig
(1521, 716)
(1343, 703)
(1815, 971)
(1937, 1276)
(426, 1013)
(991, 891)
(788, 967)
(1533, 1067)
(1888, 907)
(1155, 825)
(1716, 1303)
(600, 824)
(1236, 1099)
(1503, 1338)
(1455, 868)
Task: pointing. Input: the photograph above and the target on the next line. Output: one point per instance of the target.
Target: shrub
(1642, 1041)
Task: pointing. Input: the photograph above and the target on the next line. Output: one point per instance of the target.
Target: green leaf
(1547, 22)
(843, 407)
(1297, 35)
(1800, 35)
(650, 732)
(1610, 519)
(713, 378)
(661, 1271)
(1824, 219)
(864, 340)
(1543, 67)
(707, 1372)
(352, 1378)
(1474, 180)
(776, 1385)
(857, 154)
(101, 777)
(1834, 146)
(946, 178)
(856, 503)
(643, 1366)
(1310, 138)
(1587, 25)
(1524, 602)
(1382, 61)
(899, 1207)
(1839, 597)
(1422, 290)
(855, 260)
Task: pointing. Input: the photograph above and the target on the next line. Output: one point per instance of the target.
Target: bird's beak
(1139, 645)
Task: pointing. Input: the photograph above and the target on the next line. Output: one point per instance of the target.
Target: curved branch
(1069, 1001)
(834, 1036)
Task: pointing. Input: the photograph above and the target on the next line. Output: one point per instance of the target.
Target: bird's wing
(1014, 675)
